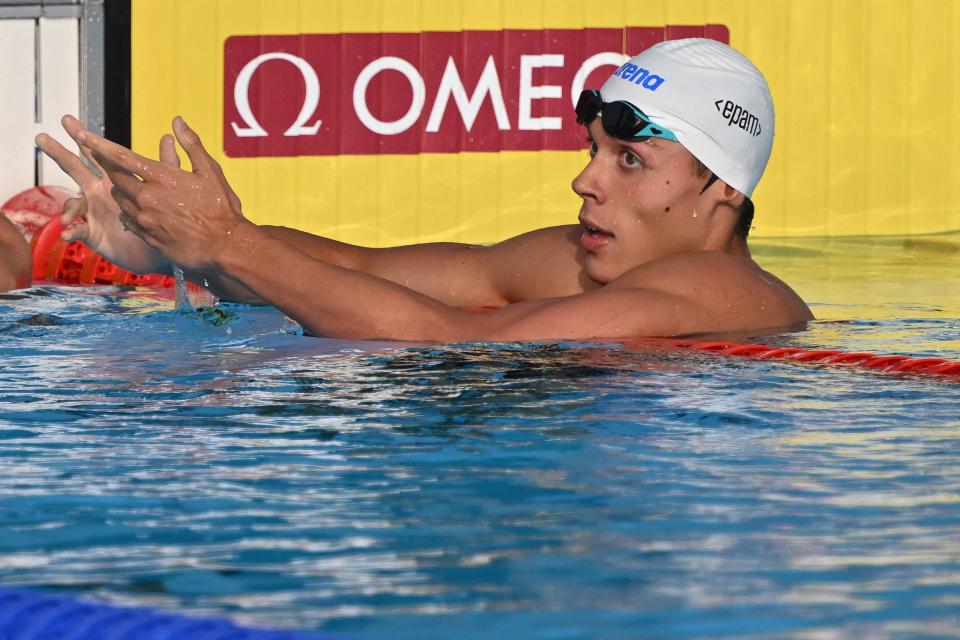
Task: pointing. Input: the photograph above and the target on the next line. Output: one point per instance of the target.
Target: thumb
(73, 208)
(78, 231)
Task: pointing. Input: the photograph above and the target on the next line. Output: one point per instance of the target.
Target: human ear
(731, 196)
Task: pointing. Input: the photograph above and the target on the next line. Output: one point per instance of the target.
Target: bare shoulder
(15, 262)
(549, 238)
(733, 293)
(544, 263)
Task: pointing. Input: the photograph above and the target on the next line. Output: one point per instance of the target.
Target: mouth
(593, 228)
(594, 237)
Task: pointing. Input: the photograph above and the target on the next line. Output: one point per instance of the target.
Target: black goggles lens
(620, 119)
(588, 106)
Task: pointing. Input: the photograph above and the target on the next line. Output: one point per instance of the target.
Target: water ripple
(220, 464)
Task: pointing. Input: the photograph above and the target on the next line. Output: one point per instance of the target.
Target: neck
(726, 241)
(738, 247)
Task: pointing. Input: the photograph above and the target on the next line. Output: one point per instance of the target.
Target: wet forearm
(330, 300)
(330, 251)
(223, 287)
(318, 247)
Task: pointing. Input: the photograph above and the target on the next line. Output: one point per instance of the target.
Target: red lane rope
(37, 210)
(891, 363)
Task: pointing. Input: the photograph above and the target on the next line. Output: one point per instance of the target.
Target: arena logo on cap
(639, 76)
(430, 92)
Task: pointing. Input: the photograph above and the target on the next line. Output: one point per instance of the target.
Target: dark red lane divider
(891, 363)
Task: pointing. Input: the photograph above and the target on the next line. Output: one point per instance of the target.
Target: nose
(587, 183)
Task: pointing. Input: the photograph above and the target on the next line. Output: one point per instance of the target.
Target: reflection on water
(217, 463)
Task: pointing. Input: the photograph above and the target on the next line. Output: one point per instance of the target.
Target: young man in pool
(15, 262)
(679, 136)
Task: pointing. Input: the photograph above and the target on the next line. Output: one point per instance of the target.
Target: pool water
(216, 462)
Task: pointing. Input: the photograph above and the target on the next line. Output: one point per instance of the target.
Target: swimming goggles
(620, 119)
(624, 121)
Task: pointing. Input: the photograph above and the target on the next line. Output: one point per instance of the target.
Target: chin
(599, 271)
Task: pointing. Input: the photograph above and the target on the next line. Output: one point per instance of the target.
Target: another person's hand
(189, 216)
(93, 218)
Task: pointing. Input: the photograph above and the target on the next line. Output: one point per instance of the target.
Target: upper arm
(537, 264)
(449, 272)
(532, 266)
(601, 314)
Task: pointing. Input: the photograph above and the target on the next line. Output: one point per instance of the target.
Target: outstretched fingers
(117, 155)
(129, 211)
(121, 178)
(72, 126)
(200, 158)
(71, 164)
(130, 193)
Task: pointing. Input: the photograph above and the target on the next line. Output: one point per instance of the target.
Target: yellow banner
(865, 93)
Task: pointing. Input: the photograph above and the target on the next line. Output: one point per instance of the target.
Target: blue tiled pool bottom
(31, 615)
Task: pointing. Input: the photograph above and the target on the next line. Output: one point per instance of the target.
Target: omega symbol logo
(241, 97)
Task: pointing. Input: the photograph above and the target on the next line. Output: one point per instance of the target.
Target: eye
(630, 159)
(593, 147)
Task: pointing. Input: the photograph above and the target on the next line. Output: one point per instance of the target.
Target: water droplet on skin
(694, 213)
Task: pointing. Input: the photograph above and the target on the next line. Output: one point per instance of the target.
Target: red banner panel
(433, 92)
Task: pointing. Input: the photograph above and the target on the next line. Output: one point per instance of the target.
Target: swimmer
(15, 261)
(679, 137)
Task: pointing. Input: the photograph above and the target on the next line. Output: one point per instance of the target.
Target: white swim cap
(711, 97)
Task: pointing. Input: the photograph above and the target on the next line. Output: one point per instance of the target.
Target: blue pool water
(217, 463)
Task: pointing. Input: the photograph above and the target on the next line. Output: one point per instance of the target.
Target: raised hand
(189, 216)
(93, 218)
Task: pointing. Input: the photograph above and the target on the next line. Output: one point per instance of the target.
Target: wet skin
(15, 259)
(641, 202)
(652, 256)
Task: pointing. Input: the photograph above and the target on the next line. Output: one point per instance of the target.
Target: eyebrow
(649, 142)
(635, 146)
(645, 148)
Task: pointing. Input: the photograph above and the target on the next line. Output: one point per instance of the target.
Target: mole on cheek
(668, 182)
(667, 210)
